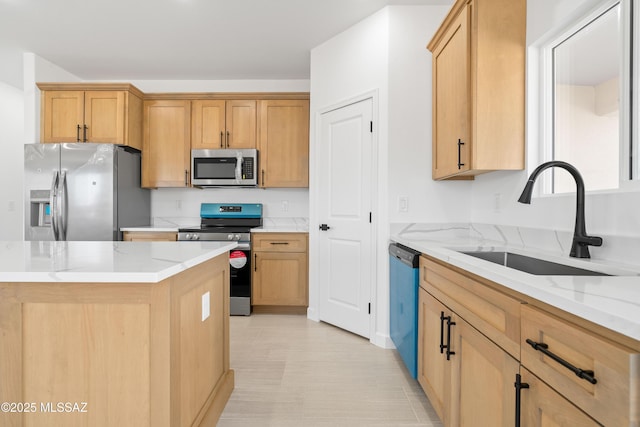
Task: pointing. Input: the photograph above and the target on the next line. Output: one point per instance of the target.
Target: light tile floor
(291, 371)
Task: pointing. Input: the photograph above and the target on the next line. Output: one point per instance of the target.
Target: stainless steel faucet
(581, 241)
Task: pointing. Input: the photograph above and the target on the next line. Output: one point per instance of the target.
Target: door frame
(316, 133)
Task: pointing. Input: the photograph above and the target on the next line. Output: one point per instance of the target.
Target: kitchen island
(114, 333)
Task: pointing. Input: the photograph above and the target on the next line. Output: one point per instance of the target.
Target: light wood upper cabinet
(166, 156)
(241, 123)
(97, 114)
(478, 89)
(283, 143)
(223, 124)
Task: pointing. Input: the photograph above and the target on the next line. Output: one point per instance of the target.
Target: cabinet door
(451, 100)
(434, 370)
(104, 114)
(241, 121)
(284, 143)
(208, 127)
(166, 141)
(279, 278)
(543, 406)
(482, 380)
(61, 114)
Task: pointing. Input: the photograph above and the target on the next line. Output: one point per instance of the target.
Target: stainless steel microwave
(224, 168)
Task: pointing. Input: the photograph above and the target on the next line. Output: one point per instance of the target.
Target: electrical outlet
(285, 206)
(206, 305)
(403, 204)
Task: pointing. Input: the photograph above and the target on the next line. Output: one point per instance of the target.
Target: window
(588, 73)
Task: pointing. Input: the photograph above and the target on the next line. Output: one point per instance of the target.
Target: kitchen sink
(532, 265)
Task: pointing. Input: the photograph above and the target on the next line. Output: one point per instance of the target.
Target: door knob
(324, 227)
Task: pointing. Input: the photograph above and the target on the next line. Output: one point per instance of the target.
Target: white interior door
(344, 206)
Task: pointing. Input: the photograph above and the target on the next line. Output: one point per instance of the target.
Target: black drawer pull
(460, 144)
(519, 386)
(442, 319)
(449, 325)
(542, 347)
(279, 243)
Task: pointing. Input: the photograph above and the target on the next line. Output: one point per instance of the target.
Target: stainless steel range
(230, 222)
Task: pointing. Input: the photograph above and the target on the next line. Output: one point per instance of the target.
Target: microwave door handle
(239, 161)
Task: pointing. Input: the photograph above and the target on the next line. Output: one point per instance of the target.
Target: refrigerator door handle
(63, 205)
(53, 204)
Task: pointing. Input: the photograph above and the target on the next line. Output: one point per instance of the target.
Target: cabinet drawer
(613, 400)
(493, 313)
(279, 242)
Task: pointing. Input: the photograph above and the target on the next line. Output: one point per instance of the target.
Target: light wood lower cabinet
(137, 354)
(149, 236)
(543, 406)
(280, 269)
(467, 377)
(473, 339)
(608, 387)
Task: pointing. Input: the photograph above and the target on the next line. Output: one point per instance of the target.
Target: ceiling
(177, 39)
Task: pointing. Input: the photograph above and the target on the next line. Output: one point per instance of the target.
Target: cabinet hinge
(371, 126)
(369, 308)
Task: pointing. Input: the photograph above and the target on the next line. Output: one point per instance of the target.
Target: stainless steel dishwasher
(403, 299)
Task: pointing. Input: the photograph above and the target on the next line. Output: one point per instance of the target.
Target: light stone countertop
(102, 262)
(269, 225)
(283, 225)
(609, 301)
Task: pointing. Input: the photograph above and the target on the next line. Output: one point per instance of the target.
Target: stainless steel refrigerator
(82, 191)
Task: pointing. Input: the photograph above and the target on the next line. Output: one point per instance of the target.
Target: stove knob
(229, 236)
(196, 236)
(187, 236)
(237, 237)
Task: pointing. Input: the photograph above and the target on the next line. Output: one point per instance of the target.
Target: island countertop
(102, 262)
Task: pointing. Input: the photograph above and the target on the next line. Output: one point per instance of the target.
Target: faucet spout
(581, 241)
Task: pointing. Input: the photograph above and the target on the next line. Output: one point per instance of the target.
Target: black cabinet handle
(519, 386)
(324, 227)
(228, 138)
(186, 177)
(442, 346)
(279, 243)
(78, 134)
(85, 132)
(460, 144)
(580, 373)
(449, 325)
(255, 262)
(221, 139)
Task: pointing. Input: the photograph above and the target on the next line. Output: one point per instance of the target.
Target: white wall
(410, 130)
(608, 213)
(386, 54)
(37, 69)
(11, 162)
